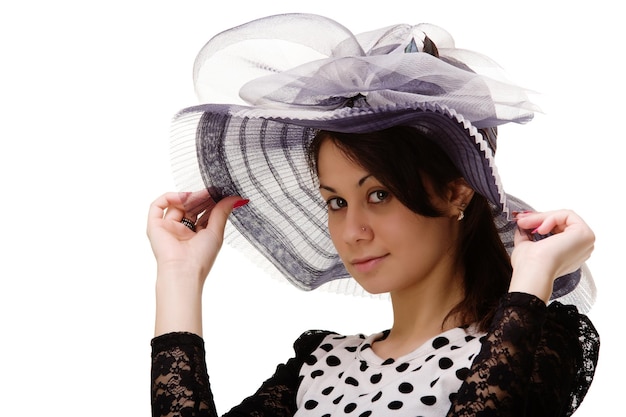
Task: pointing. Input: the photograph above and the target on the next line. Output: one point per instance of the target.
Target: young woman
(413, 207)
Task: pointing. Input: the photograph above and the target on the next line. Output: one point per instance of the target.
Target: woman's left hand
(537, 263)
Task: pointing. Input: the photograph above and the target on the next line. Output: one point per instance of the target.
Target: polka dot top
(534, 360)
(344, 376)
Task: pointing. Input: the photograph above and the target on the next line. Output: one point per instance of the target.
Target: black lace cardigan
(535, 361)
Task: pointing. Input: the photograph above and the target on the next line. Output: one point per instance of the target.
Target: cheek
(426, 236)
(333, 230)
(336, 236)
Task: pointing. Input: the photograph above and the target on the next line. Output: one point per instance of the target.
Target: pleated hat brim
(262, 156)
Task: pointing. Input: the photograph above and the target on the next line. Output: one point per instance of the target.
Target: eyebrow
(332, 190)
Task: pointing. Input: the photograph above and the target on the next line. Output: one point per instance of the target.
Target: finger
(179, 207)
(197, 202)
(156, 212)
(189, 224)
(168, 208)
(521, 235)
(203, 206)
(162, 205)
(174, 214)
(219, 215)
(530, 220)
(203, 220)
(558, 221)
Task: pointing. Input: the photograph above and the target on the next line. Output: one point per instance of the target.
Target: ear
(459, 196)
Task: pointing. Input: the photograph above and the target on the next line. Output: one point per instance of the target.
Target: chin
(372, 285)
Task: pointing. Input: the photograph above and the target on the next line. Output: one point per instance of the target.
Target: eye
(336, 203)
(378, 196)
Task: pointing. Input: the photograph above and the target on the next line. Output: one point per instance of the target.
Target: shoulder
(567, 330)
(579, 332)
(560, 324)
(311, 340)
(567, 322)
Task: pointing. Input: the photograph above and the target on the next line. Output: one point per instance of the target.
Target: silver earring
(363, 228)
(461, 212)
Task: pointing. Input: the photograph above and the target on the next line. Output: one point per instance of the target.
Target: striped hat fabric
(266, 88)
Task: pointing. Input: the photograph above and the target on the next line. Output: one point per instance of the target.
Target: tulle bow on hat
(302, 64)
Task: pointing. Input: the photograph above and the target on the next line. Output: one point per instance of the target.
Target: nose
(356, 225)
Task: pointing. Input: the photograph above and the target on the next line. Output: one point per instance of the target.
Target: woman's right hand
(184, 257)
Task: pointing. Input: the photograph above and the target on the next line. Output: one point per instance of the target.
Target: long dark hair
(401, 158)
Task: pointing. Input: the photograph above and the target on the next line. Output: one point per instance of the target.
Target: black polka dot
(469, 338)
(405, 388)
(455, 347)
(367, 413)
(317, 373)
(310, 405)
(365, 346)
(377, 396)
(338, 400)
(333, 361)
(462, 373)
(351, 348)
(363, 366)
(403, 367)
(326, 415)
(340, 337)
(311, 360)
(429, 358)
(352, 381)
(428, 400)
(432, 384)
(328, 390)
(349, 408)
(375, 379)
(389, 361)
(445, 363)
(326, 347)
(440, 342)
(395, 405)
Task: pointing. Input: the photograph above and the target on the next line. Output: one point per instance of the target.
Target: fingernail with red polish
(240, 203)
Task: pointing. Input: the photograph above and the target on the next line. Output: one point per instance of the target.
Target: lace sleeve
(180, 383)
(535, 361)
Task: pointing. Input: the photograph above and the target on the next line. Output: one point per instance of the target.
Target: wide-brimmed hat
(268, 86)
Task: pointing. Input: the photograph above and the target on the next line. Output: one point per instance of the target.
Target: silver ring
(189, 224)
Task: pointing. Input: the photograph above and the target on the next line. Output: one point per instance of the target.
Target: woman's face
(385, 246)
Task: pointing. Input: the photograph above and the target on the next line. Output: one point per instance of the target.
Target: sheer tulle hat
(266, 87)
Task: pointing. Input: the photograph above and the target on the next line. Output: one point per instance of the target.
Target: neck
(420, 314)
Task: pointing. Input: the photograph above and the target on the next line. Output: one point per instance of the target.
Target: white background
(87, 91)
